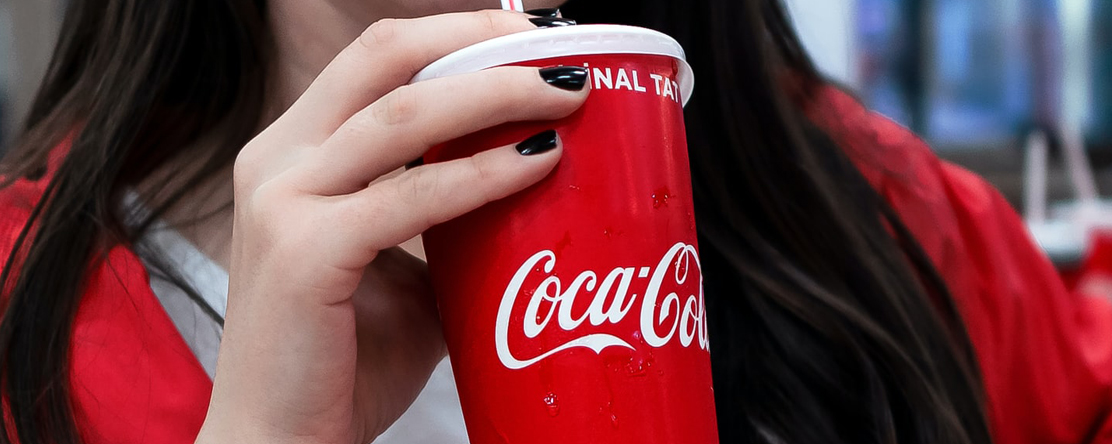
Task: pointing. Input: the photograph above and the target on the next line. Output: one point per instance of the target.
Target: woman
(830, 318)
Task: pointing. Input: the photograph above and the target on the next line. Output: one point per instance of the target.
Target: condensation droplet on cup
(574, 188)
(640, 364)
(641, 358)
(636, 367)
(613, 416)
(552, 404)
(616, 361)
(660, 197)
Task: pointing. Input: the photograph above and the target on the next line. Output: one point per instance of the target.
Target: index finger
(387, 55)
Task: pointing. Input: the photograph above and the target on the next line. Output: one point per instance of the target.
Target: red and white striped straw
(513, 5)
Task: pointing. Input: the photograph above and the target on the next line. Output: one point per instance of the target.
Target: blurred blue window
(976, 74)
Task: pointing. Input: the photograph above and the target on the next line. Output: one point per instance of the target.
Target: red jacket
(1045, 354)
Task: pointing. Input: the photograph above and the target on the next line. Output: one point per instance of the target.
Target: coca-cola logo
(551, 304)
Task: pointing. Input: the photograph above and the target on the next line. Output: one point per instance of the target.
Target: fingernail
(544, 12)
(551, 22)
(540, 143)
(570, 78)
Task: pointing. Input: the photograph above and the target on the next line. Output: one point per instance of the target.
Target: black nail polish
(551, 22)
(540, 143)
(571, 78)
(544, 12)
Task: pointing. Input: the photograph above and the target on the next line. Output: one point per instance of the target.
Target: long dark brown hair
(828, 323)
(133, 85)
(820, 302)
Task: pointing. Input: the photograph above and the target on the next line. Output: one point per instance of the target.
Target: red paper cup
(573, 310)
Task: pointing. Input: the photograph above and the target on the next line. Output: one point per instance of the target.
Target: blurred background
(976, 78)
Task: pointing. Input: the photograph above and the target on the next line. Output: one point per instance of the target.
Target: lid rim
(580, 40)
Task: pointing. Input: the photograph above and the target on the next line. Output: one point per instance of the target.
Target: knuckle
(398, 107)
(262, 210)
(489, 21)
(413, 187)
(494, 22)
(354, 213)
(276, 217)
(381, 33)
(483, 173)
(267, 201)
(418, 190)
(245, 169)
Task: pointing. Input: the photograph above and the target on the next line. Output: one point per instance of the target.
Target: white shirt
(434, 418)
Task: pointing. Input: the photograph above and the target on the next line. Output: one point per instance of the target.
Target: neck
(307, 36)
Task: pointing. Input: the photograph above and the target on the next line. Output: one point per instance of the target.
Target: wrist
(227, 431)
(223, 432)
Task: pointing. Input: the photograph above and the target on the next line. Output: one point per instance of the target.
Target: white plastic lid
(561, 42)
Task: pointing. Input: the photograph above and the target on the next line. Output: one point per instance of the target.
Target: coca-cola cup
(573, 310)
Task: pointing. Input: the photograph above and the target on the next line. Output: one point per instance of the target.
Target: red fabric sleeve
(133, 378)
(1045, 354)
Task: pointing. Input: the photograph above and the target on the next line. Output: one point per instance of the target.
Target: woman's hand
(330, 332)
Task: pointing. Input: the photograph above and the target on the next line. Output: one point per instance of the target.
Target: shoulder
(133, 378)
(1045, 354)
(889, 155)
(938, 201)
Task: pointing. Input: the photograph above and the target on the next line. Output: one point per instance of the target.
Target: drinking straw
(513, 5)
